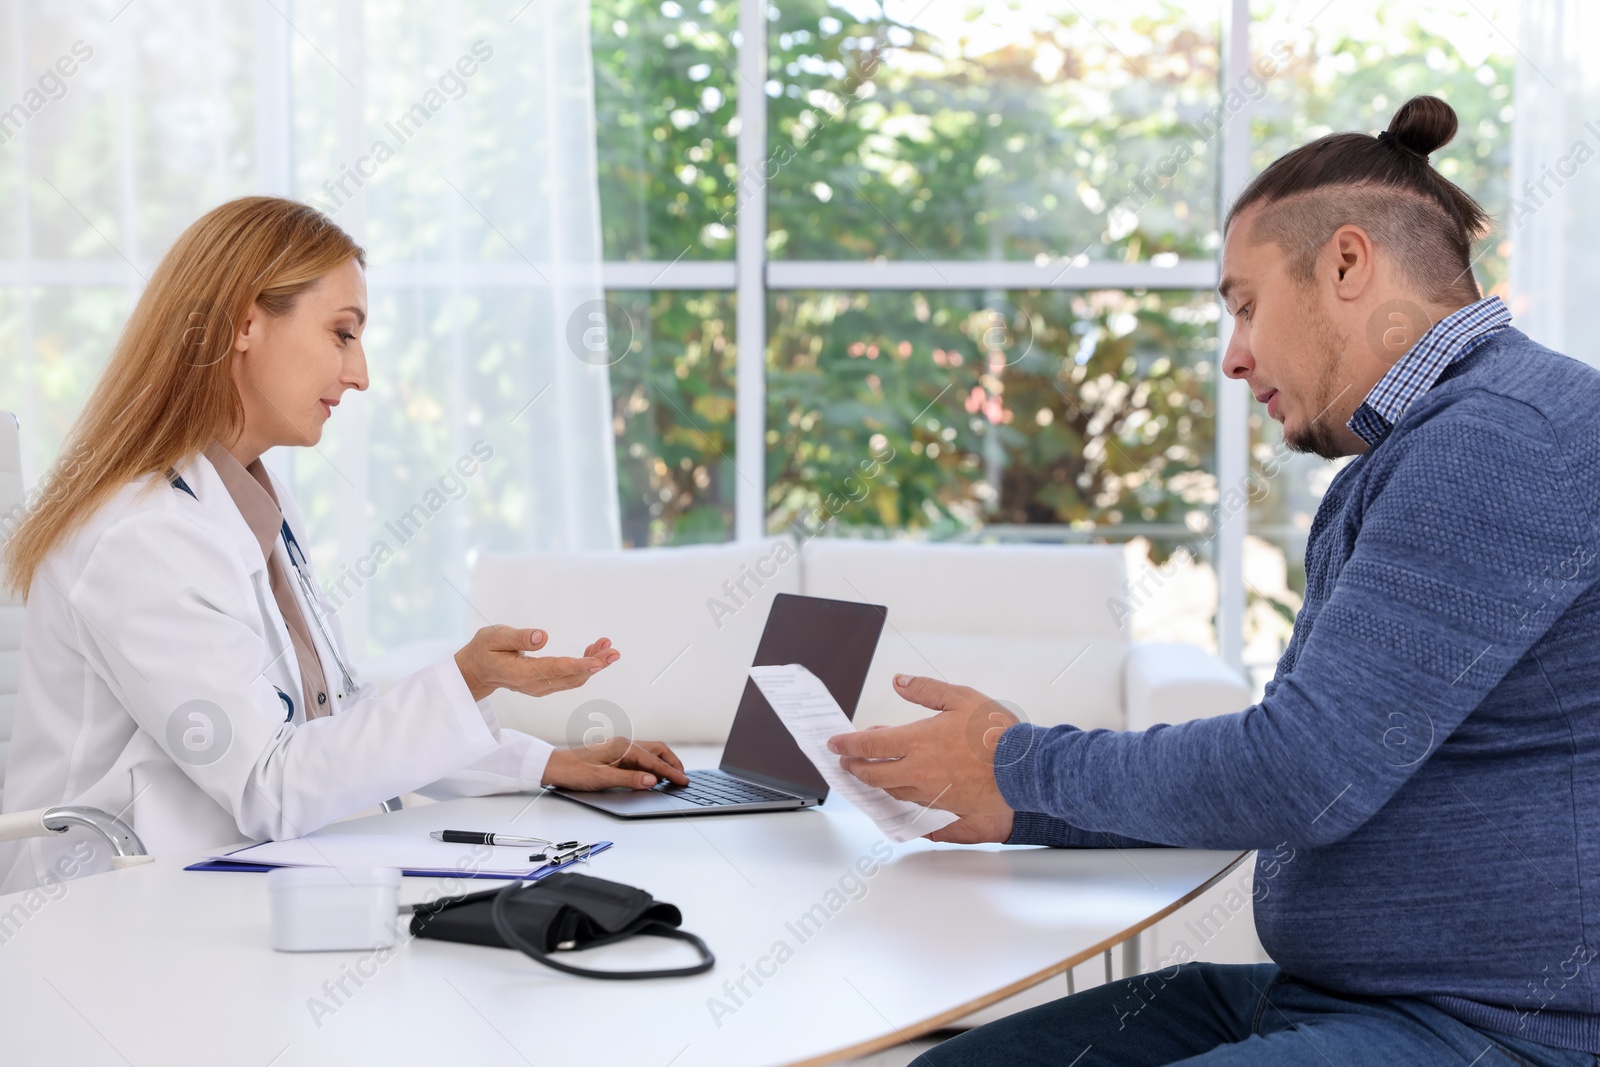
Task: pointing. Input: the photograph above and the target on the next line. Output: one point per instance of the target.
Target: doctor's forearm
(317, 772)
(516, 765)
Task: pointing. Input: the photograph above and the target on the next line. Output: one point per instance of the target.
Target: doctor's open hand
(945, 761)
(497, 658)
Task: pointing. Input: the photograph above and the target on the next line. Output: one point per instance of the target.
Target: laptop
(762, 768)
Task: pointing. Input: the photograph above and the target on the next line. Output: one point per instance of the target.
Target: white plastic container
(325, 909)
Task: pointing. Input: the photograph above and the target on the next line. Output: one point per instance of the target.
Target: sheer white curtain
(1551, 220)
(454, 141)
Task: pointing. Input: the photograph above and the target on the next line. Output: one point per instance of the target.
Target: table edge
(934, 1022)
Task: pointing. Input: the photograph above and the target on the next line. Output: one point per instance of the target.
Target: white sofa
(1030, 625)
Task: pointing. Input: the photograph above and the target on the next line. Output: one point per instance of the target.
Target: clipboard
(353, 855)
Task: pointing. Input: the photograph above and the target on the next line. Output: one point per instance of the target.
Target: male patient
(1422, 775)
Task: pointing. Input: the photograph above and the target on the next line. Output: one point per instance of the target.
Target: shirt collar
(1447, 341)
(252, 494)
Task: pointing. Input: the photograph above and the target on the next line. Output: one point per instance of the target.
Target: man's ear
(1351, 250)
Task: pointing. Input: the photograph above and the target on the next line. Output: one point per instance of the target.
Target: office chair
(127, 850)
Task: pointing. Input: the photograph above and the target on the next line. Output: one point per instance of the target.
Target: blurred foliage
(1024, 134)
(1073, 408)
(1011, 131)
(672, 403)
(665, 88)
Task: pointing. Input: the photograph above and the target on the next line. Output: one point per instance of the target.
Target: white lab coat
(158, 610)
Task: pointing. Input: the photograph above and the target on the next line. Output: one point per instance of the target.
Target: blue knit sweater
(1422, 775)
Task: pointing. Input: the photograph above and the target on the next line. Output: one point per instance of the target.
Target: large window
(980, 238)
(988, 235)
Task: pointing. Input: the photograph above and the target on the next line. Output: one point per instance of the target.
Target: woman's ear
(249, 329)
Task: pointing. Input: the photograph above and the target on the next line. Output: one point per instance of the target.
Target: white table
(155, 965)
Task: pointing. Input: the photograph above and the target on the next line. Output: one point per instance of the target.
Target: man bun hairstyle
(1423, 125)
(1385, 185)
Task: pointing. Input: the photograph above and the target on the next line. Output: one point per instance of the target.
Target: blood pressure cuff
(563, 912)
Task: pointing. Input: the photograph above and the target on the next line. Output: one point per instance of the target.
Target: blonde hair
(168, 390)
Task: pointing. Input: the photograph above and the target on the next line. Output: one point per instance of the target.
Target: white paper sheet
(812, 716)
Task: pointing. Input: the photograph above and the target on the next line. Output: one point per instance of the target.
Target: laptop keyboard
(715, 789)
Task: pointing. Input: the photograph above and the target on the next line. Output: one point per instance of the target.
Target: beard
(1319, 436)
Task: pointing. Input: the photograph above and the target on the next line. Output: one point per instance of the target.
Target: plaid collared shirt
(1448, 340)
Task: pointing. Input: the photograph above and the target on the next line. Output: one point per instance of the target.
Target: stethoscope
(347, 684)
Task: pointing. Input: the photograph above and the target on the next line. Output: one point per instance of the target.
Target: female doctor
(180, 667)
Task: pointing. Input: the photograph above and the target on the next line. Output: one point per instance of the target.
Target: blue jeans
(1213, 1014)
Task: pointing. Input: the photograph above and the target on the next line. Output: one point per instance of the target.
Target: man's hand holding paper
(812, 716)
(945, 760)
(933, 778)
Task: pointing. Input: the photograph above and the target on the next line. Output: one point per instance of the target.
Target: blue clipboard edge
(533, 875)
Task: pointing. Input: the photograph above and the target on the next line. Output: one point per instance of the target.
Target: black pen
(477, 837)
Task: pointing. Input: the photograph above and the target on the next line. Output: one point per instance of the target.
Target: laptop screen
(834, 640)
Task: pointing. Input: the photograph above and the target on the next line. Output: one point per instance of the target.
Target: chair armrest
(43, 822)
(1172, 683)
(405, 660)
